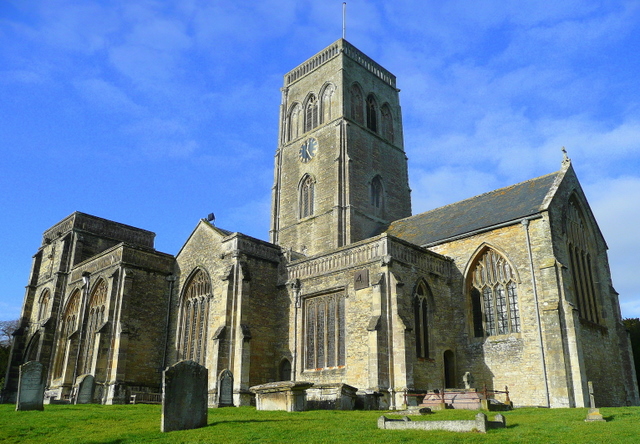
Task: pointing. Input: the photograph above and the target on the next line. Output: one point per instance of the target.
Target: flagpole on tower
(344, 19)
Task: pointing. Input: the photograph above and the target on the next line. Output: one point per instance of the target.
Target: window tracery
(580, 263)
(293, 127)
(325, 331)
(421, 317)
(327, 104)
(195, 318)
(43, 305)
(68, 326)
(311, 114)
(356, 111)
(372, 114)
(307, 191)
(95, 319)
(494, 296)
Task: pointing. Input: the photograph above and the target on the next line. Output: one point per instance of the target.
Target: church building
(512, 286)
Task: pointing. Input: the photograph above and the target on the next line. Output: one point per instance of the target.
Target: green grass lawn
(141, 423)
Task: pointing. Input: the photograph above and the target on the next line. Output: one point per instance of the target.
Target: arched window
(293, 122)
(372, 114)
(195, 318)
(324, 331)
(307, 185)
(356, 112)
(95, 319)
(377, 193)
(311, 114)
(579, 247)
(67, 326)
(43, 305)
(494, 296)
(421, 316)
(326, 104)
(387, 122)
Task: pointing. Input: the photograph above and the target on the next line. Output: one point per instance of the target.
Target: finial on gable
(565, 159)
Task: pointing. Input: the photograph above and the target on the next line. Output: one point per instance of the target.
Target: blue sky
(156, 113)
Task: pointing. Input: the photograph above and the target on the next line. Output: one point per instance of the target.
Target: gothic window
(324, 331)
(311, 114)
(67, 326)
(372, 114)
(95, 319)
(307, 188)
(387, 122)
(580, 263)
(421, 318)
(356, 104)
(43, 305)
(326, 104)
(494, 296)
(293, 122)
(377, 193)
(195, 318)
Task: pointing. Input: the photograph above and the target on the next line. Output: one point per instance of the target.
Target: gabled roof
(479, 212)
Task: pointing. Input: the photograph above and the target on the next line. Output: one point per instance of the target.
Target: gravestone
(31, 386)
(225, 387)
(594, 413)
(84, 393)
(184, 396)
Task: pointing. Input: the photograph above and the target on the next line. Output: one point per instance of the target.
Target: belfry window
(580, 263)
(494, 296)
(311, 114)
(356, 104)
(324, 331)
(328, 95)
(307, 189)
(192, 342)
(293, 122)
(421, 318)
(372, 114)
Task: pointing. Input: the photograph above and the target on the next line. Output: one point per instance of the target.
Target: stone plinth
(184, 396)
(31, 386)
(479, 424)
(284, 395)
(331, 397)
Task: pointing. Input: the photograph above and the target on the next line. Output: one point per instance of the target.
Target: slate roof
(483, 211)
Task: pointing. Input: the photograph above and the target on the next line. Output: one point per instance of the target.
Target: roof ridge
(480, 195)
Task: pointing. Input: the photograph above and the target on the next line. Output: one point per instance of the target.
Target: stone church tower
(340, 168)
(352, 293)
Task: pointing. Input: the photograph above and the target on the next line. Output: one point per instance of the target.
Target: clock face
(308, 150)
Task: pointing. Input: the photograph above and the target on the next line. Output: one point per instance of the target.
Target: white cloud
(615, 204)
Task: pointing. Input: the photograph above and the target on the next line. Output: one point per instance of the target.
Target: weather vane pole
(344, 19)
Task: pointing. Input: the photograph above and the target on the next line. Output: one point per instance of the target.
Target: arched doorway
(449, 369)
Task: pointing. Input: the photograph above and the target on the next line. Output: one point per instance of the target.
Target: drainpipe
(297, 301)
(388, 296)
(525, 224)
